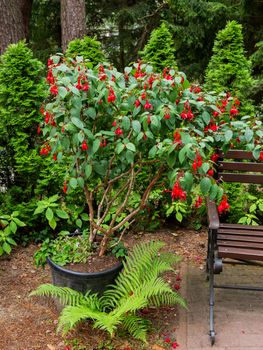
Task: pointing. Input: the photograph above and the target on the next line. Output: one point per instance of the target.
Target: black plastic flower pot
(83, 281)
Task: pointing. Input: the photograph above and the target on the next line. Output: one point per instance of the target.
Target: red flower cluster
(103, 143)
(223, 206)
(118, 131)
(102, 75)
(233, 110)
(45, 150)
(174, 344)
(84, 146)
(50, 77)
(54, 90)
(147, 105)
(84, 86)
(187, 112)
(197, 162)
(177, 192)
(212, 126)
(111, 96)
(198, 202)
(138, 73)
(177, 138)
(261, 156)
(214, 157)
(195, 89)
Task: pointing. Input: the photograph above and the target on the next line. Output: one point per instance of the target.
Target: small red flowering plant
(110, 127)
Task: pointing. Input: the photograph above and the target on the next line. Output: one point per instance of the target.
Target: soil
(94, 264)
(29, 323)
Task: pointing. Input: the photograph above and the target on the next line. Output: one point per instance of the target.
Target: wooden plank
(239, 166)
(244, 178)
(241, 227)
(250, 245)
(240, 253)
(243, 238)
(238, 232)
(236, 154)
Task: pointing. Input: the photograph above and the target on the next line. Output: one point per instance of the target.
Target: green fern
(139, 285)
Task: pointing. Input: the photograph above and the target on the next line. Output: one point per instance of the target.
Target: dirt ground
(29, 323)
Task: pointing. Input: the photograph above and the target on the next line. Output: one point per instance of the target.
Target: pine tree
(229, 69)
(160, 51)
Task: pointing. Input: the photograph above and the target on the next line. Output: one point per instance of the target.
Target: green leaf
(49, 214)
(62, 92)
(206, 117)
(91, 112)
(248, 134)
(62, 214)
(205, 167)
(129, 156)
(228, 135)
(19, 222)
(96, 145)
(188, 177)
(136, 125)
(79, 223)
(80, 182)
(131, 147)
(205, 185)
(73, 182)
(213, 191)
(126, 123)
(84, 216)
(179, 216)
(10, 241)
(7, 248)
(182, 154)
(153, 151)
(119, 147)
(39, 210)
(13, 226)
(88, 170)
(52, 223)
(77, 122)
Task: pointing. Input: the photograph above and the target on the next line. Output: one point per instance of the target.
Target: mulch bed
(30, 323)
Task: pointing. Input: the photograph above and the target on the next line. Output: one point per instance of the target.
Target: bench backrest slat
(239, 166)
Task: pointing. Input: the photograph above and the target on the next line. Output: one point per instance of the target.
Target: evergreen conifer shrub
(22, 90)
(160, 51)
(87, 47)
(229, 69)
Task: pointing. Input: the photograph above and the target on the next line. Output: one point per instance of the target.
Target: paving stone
(238, 314)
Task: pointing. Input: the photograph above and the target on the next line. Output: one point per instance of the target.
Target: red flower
(210, 172)
(79, 85)
(38, 130)
(177, 286)
(215, 113)
(84, 146)
(178, 277)
(54, 156)
(177, 138)
(214, 157)
(54, 90)
(175, 345)
(261, 156)
(118, 131)
(233, 110)
(177, 192)
(137, 103)
(147, 105)
(143, 96)
(223, 206)
(85, 87)
(65, 187)
(167, 340)
(114, 123)
(167, 116)
(111, 96)
(50, 77)
(198, 202)
(49, 62)
(149, 119)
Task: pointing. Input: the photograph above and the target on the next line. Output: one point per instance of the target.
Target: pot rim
(115, 268)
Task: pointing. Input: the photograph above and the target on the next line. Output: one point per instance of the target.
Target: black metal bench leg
(212, 294)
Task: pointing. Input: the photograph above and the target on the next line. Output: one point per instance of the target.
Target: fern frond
(136, 326)
(136, 269)
(66, 296)
(72, 315)
(167, 299)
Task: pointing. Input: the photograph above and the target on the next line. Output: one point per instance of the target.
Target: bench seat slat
(236, 154)
(250, 245)
(240, 253)
(243, 238)
(241, 227)
(237, 232)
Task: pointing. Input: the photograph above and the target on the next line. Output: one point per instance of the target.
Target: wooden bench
(234, 241)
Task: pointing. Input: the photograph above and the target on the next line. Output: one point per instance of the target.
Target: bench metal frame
(243, 243)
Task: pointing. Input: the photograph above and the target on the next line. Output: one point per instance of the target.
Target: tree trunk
(14, 21)
(73, 20)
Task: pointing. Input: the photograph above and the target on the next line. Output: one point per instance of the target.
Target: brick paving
(238, 314)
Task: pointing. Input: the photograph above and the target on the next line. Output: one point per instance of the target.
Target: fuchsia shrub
(109, 126)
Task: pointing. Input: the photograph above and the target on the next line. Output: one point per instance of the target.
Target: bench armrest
(213, 217)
